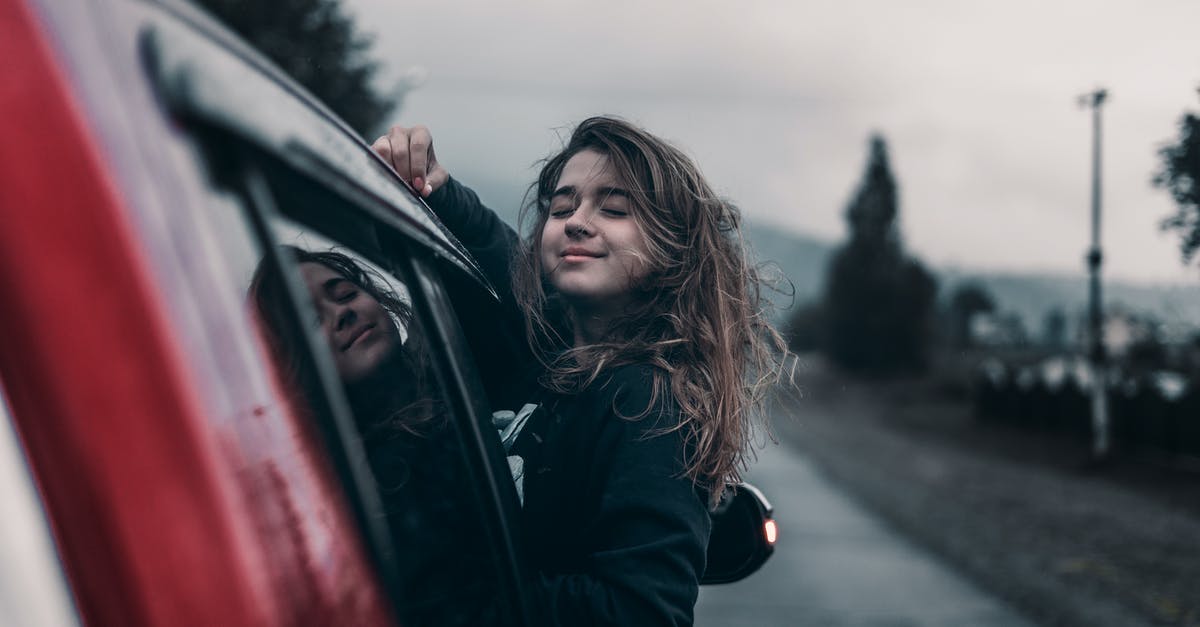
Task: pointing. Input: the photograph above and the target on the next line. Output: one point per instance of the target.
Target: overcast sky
(776, 101)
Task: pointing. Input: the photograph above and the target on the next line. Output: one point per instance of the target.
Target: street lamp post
(1101, 425)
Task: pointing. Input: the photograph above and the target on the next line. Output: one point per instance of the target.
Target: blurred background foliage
(1180, 175)
(319, 46)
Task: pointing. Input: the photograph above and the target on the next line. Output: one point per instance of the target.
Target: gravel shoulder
(1018, 513)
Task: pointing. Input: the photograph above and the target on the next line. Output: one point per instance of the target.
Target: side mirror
(743, 535)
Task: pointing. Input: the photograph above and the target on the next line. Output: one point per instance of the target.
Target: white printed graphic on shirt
(509, 426)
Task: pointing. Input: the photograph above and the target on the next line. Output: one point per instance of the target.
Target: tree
(968, 300)
(805, 329)
(878, 301)
(1180, 175)
(317, 45)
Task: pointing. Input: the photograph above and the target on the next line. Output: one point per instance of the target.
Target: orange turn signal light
(771, 531)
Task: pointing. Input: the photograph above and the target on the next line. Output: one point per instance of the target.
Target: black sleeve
(495, 331)
(648, 543)
(490, 240)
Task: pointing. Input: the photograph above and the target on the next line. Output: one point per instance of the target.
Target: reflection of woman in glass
(353, 315)
(410, 444)
(361, 320)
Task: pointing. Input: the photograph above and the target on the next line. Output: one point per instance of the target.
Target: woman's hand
(410, 153)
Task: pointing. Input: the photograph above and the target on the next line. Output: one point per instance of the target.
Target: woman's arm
(496, 333)
(491, 241)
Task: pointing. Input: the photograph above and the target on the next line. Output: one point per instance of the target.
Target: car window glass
(357, 322)
(306, 542)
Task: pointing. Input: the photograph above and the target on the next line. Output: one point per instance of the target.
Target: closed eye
(339, 290)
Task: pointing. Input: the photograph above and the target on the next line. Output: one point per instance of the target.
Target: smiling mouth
(357, 336)
(576, 254)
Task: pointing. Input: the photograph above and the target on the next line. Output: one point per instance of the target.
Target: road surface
(837, 566)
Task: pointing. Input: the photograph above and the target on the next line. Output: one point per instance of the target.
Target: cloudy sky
(776, 101)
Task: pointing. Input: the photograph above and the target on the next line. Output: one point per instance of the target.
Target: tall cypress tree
(878, 302)
(318, 46)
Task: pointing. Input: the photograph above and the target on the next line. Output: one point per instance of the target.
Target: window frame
(418, 263)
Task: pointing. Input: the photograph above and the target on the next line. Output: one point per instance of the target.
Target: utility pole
(1101, 423)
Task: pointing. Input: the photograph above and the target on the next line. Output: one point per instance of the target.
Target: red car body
(170, 504)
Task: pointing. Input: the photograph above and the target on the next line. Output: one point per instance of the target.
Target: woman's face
(360, 332)
(593, 249)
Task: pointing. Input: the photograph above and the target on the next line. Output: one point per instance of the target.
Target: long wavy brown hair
(698, 316)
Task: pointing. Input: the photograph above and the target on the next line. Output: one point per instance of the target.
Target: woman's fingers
(410, 152)
(398, 139)
(420, 147)
(428, 174)
(383, 148)
(436, 178)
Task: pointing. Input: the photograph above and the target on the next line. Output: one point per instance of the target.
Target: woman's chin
(363, 364)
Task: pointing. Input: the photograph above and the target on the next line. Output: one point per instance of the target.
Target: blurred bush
(315, 43)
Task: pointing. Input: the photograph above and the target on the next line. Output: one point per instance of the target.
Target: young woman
(650, 351)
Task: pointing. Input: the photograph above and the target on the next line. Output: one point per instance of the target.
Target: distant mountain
(802, 258)
(1032, 296)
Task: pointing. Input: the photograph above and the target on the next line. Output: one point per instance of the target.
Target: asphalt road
(835, 565)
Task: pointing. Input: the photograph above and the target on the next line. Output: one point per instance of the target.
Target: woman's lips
(358, 336)
(575, 255)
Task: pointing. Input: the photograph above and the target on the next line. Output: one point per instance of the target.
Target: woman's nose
(579, 224)
(345, 317)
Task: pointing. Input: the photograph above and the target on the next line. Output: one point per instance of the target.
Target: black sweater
(615, 530)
